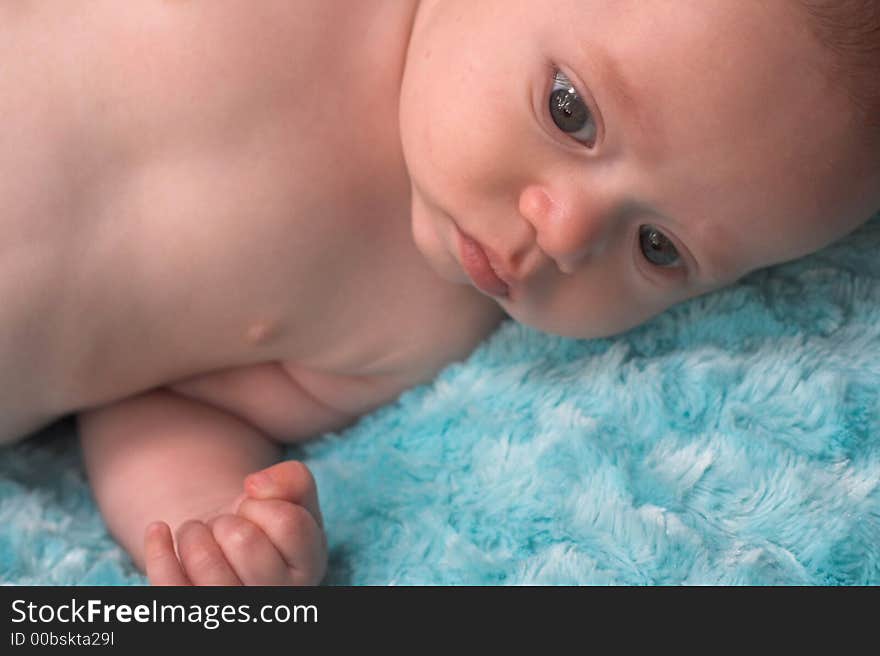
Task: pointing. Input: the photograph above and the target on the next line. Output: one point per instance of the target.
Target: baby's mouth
(479, 268)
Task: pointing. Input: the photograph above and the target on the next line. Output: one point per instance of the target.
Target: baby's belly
(290, 403)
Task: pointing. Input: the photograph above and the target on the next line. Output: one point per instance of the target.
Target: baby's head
(615, 158)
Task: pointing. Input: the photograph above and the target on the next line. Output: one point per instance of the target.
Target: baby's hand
(274, 537)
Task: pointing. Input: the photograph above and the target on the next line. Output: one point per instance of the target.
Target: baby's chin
(574, 327)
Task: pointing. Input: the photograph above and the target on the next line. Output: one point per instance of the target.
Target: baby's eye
(570, 113)
(657, 248)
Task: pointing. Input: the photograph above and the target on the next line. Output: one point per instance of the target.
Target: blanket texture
(735, 439)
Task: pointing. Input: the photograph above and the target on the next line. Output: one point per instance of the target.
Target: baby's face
(614, 158)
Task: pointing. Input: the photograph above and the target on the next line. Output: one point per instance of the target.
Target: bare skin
(719, 123)
(199, 258)
(228, 226)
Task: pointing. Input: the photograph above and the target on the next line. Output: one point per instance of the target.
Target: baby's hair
(850, 29)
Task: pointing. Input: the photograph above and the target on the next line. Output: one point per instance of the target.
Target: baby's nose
(566, 228)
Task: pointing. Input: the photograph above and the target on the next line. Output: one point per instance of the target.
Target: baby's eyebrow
(615, 81)
(717, 266)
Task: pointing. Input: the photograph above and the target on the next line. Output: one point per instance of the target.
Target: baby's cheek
(590, 309)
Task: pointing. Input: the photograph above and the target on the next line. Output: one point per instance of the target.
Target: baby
(229, 226)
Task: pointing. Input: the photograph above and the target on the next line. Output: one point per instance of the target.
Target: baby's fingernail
(260, 481)
(155, 528)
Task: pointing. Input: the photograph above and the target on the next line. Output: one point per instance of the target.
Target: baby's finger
(295, 534)
(289, 480)
(160, 560)
(202, 558)
(250, 552)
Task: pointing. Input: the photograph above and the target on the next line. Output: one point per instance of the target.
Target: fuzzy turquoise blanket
(734, 439)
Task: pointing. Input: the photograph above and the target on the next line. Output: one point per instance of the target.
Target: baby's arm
(167, 458)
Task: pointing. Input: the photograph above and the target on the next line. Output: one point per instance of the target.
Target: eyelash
(662, 275)
(552, 69)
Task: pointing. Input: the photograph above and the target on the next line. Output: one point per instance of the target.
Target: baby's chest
(353, 370)
(354, 332)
